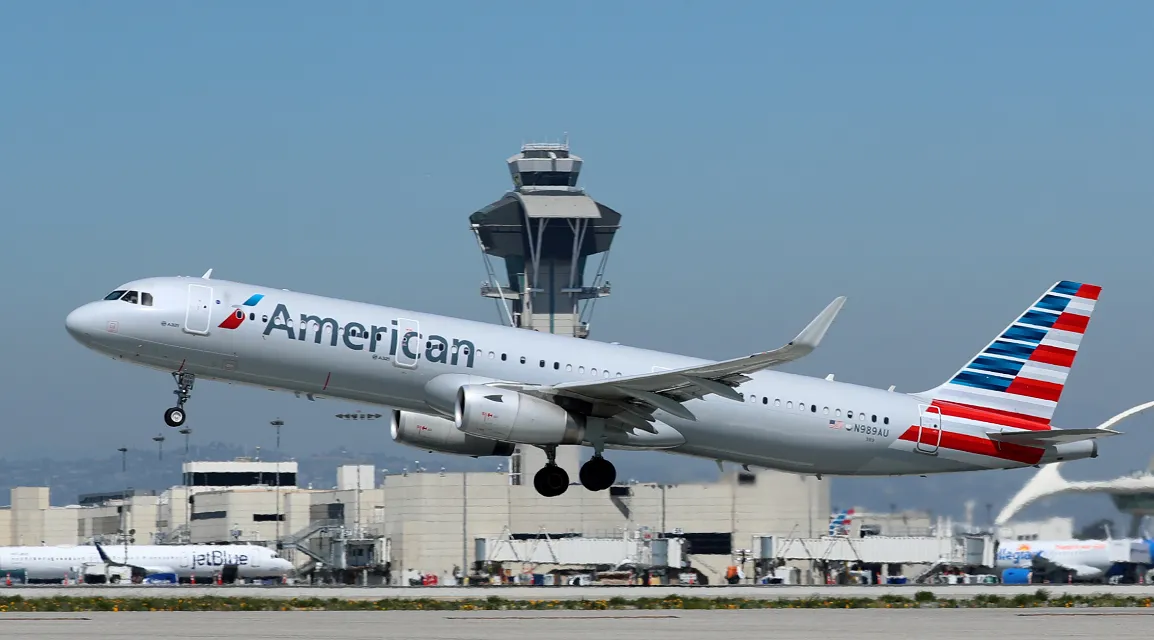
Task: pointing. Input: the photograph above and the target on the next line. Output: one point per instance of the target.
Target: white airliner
(185, 561)
(1085, 559)
(474, 388)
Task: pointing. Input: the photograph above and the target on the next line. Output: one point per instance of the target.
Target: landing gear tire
(551, 481)
(174, 417)
(598, 474)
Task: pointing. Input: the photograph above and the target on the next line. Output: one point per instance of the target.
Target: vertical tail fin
(839, 523)
(1017, 380)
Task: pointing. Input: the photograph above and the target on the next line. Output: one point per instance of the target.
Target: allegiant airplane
(477, 389)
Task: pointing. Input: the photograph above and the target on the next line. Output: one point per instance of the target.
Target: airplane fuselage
(186, 561)
(325, 347)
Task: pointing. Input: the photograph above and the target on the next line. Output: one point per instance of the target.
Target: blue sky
(940, 164)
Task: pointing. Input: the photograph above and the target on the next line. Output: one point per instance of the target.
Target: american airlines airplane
(475, 388)
(185, 561)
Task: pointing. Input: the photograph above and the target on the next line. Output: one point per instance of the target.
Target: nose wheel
(175, 416)
(598, 474)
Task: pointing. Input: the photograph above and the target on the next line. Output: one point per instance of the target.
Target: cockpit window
(131, 297)
(146, 298)
(115, 295)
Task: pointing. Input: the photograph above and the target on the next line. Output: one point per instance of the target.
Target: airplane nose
(82, 321)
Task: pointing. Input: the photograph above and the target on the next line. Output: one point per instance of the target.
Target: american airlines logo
(358, 336)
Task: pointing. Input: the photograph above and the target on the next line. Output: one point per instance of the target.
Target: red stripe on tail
(989, 415)
(1089, 291)
(1071, 322)
(978, 445)
(1035, 389)
(1054, 355)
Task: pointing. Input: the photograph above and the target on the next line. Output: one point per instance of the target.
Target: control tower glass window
(549, 179)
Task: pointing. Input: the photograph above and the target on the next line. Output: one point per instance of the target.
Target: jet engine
(501, 414)
(441, 436)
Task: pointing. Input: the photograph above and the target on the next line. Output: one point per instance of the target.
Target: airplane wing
(1082, 571)
(1052, 436)
(666, 390)
(145, 570)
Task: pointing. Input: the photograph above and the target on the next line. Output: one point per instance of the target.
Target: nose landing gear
(175, 416)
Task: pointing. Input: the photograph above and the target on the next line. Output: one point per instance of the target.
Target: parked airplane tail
(1017, 380)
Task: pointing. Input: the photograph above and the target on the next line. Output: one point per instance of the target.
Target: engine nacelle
(442, 436)
(511, 416)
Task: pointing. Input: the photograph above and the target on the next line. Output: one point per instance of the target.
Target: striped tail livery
(1017, 380)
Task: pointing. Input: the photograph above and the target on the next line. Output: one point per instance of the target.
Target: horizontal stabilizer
(1052, 436)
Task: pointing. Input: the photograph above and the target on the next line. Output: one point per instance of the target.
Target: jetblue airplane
(183, 561)
(475, 388)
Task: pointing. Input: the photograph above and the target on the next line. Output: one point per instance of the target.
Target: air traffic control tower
(546, 230)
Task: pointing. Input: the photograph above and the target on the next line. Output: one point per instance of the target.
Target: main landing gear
(551, 481)
(175, 416)
(597, 474)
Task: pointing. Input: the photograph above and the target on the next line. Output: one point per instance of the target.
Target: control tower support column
(546, 230)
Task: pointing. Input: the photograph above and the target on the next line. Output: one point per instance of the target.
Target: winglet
(207, 274)
(812, 334)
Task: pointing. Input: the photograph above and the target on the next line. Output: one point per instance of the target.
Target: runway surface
(563, 593)
(790, 624)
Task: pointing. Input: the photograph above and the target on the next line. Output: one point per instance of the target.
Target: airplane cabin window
(813, 408)
(252, 317)
(522, 359)
(606, 372)
(825, 410)
(580, 369)
(849, 414)
(556, 366)
(492, 355)
(568, 367)
(874, 418)
(131, 297)
(146, 299)
(764, 399)
(593, 371)
(837, 412)
(115, 295)
(542, 364)
(777, 402)
(789, 404)
(886, 420)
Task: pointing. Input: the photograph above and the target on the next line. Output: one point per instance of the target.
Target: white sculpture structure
(1049, 481)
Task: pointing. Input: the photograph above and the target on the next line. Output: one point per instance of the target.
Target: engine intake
(442, 436)
(501, 414)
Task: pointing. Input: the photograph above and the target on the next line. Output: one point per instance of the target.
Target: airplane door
(929, 430)
(408, 343)
(198, 315)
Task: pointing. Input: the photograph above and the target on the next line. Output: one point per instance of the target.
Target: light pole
(123, 459)
(159, 446)
(185, 432)
(277, 424)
